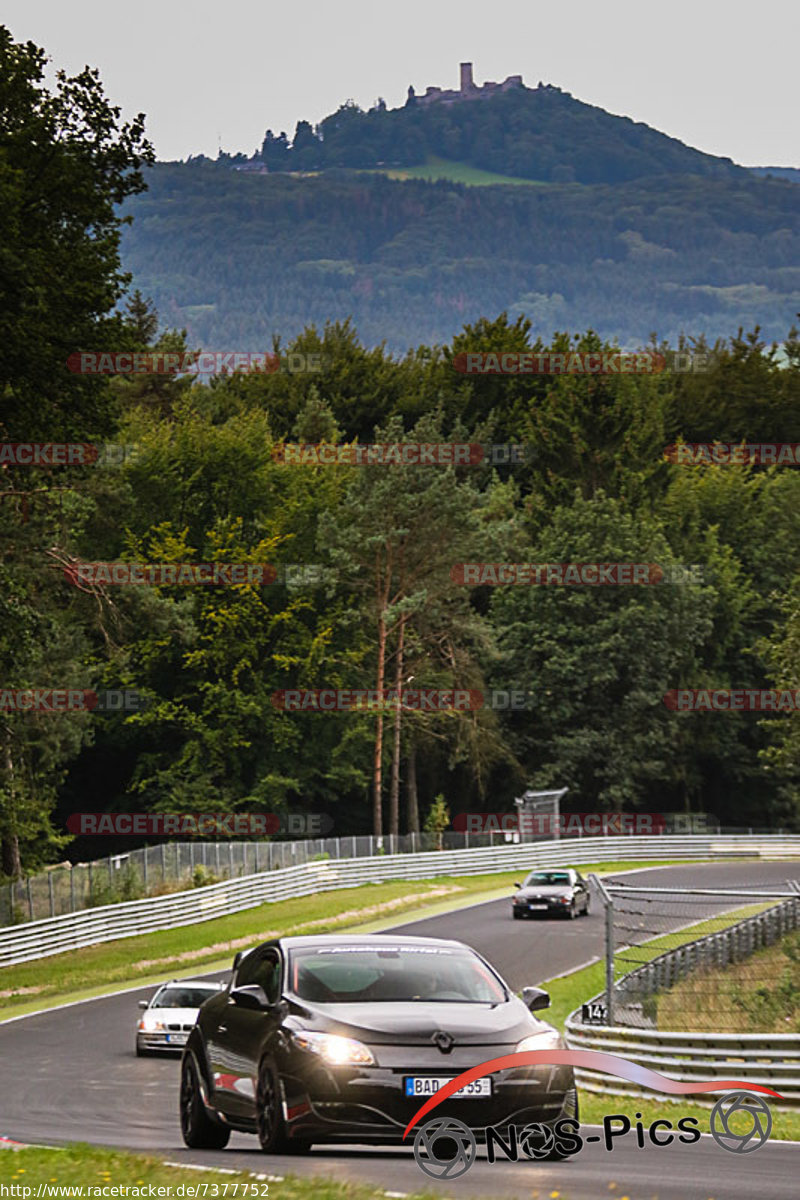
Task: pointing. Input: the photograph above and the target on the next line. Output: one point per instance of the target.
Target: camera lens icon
(538, 1140)
(750, 1133)
(445, 1148)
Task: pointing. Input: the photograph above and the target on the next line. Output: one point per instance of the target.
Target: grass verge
(209, 946)
(762, 992)
(90, 1167)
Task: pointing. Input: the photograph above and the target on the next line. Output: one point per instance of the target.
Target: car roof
(367, 940)
(209, 983)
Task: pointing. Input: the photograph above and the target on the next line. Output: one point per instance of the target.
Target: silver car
(168, 1017)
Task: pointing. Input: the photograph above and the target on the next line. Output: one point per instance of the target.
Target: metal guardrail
(768, 1059)
(174, 865)
(55, 935)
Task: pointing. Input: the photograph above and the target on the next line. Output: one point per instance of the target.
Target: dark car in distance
(341, 1039)
(562, 890)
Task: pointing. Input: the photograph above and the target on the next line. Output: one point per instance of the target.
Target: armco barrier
(768, 1059)
(37, 939)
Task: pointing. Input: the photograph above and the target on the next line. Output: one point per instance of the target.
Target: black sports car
(341, 1039)
(562, 891)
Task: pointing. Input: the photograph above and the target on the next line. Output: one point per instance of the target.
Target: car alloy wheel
(199, 1131)
(269, 1117)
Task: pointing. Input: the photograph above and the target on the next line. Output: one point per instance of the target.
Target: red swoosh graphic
(593, 1060)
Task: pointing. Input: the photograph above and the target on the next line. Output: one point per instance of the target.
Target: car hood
(413, 1023)
(545, 889)
(170, 1016)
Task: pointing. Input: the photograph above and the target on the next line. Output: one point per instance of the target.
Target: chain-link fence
(173, 866)
(706, 960)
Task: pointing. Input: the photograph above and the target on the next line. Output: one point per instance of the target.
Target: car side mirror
(251, 996)
(144, 1004)
(517, 885)
(535, 998)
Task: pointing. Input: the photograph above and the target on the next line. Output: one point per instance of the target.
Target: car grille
(180, 1028)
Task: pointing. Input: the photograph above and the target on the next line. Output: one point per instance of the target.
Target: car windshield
(547, 877)
(357, 974)
(183, 997)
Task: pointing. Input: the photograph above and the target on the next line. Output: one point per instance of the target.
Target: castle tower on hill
(468, 89)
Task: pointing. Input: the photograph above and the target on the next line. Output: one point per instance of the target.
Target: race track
(71, 1075)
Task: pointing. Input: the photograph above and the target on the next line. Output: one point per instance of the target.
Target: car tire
(517, 915)
(573, 912)
(270, 1124)
(198, 1130)
(585, 912)
(141, 1052)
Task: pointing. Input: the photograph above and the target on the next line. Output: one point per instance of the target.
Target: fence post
(609, 907)
(164, 862)
(50, 890)
(30, 897)
(71, 888)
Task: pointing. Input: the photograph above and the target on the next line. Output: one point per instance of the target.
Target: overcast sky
(721, 76)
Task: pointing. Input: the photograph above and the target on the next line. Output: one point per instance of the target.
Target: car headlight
(151, 1026)
(549, 1039)
(336, 1050)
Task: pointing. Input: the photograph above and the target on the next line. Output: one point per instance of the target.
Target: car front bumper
(370, 1105)
(167, 1042)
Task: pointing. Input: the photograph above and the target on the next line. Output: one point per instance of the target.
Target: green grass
(785, 1125)
(89, 1166)
(151, 958)
(454, 172)
(761, 992)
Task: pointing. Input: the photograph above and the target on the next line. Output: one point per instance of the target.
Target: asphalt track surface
(71, 1075)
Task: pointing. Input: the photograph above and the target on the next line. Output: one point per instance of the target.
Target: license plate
(538, 906)
(424, 1085)
(176, 1039)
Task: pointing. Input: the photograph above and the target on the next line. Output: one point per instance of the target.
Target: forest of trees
(381, 606)
(234, 257)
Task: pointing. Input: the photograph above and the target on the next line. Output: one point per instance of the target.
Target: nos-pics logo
(445, 1148)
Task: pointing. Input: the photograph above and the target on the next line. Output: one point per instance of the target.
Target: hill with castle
(542, 134)
(587, 220)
